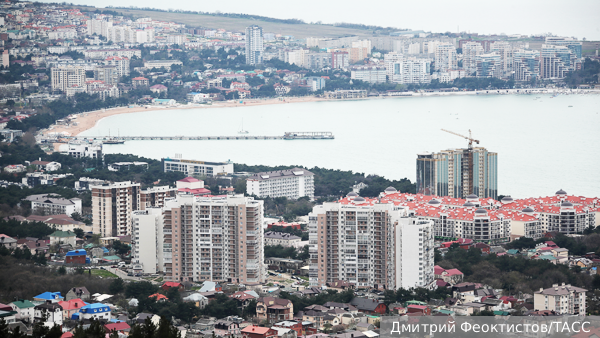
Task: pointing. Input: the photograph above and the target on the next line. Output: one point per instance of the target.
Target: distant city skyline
(578, 19)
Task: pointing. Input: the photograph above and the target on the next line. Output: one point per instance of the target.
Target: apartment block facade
(563, 299)
(67, 77)
(197, 168)
(254, 45)
(293, 183)
(213, 238)
(147, 241)
(369, 244)
(112, 205)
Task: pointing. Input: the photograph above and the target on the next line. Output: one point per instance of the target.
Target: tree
(117, 286)
(79, 232)
(62, 271)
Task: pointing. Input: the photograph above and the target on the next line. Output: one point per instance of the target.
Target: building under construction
(458, 173)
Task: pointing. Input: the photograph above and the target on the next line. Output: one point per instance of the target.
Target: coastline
(85, 121)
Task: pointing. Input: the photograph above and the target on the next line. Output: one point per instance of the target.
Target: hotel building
(293, 183)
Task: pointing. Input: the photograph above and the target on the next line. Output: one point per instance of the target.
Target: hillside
(238, 24)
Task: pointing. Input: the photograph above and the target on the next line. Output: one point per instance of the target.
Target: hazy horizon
(578, 19)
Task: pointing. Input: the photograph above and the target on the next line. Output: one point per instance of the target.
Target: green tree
(117, 286)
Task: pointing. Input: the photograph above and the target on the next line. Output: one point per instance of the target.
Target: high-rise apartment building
(66, 77)
(555, 61)
(370, 244)
(411, 71)
(470, 51)
(505, 51)
(445, 57)
(213, 238)
(112, 205)
(458, 173)
(121, 63)
(254, 45)
(293, 183)
(526, 65)
(98, 26)
(489, 65)
(340, 60)
(147, 241)
(106, 74)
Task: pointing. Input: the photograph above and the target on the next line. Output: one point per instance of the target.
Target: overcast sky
(579, 18)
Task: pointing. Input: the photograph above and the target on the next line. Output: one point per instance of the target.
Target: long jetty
(286, 136)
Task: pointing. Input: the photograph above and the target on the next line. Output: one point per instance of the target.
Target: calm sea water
(543, 144)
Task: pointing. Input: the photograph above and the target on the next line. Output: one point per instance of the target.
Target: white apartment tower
(445, 57)
(470, 51)
(112, 205)
(254, 45)
(66, 77)
(293, 183)
(370, 244)
(213, 238)
(411, 70)
(147, 240)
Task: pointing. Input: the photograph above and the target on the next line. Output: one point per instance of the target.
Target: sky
(578, 18)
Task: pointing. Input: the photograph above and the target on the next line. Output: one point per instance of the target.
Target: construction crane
(471, 140)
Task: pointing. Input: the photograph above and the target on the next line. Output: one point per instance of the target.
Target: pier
(287, 136)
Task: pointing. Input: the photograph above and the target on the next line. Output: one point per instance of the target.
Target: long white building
(198, 168)
(371, 74)
(293, 183)
(49, 205)
(411, 71)
(370, 244)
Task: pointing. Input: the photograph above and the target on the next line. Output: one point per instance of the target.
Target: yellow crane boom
(471, 140)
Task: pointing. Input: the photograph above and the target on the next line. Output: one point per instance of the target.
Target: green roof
(23, 304)
(501, 313)
(446, 312)
(112, 258)
(7, 313)
(59, 233)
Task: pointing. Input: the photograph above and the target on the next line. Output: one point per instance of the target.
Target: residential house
(96, 311)
(120, 328)
(450, 276)
(244, 297)
(258, 332)
(227, 327)
(53, 297)
(200, 300)
(78, 292)
(368, 306)
(76, 257)
(274, 309)
(281, 238)
(141, 318)
(70, 307)
(8, 242)
(420, 309)
(48, 313)
(24, 309)
(340, 285)
(167, 285)
(63, 237)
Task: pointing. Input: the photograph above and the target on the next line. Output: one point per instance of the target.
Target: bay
(543, 144)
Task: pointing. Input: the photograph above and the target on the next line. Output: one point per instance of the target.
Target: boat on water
(113, 141)
(242, 131)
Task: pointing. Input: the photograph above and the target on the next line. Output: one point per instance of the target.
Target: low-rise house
(71, 307)
(450, 276)
(48, 204)
(200, 300)
(368, 306)
(274, 309)
(227, 327)
(281, 238)
(141, 318)
(8, 316)
(120, 327)
(53, 297)
(76, 257)
(97, 311)
(48, 313)
(244, 297)
(167, 285)
(285, 333)
(78, 292)
(340, 285)
(63, 237)
(24, 309)
(420, 309)
(258, 332)
(8, 242)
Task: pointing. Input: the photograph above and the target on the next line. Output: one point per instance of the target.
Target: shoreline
(82, 122)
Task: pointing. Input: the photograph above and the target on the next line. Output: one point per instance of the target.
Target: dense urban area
(113, 245)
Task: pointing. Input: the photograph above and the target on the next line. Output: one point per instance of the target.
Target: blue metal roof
(95, 308)
(79, 252)
(49, 295)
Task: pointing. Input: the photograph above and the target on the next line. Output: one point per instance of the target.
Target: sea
(544, 143)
